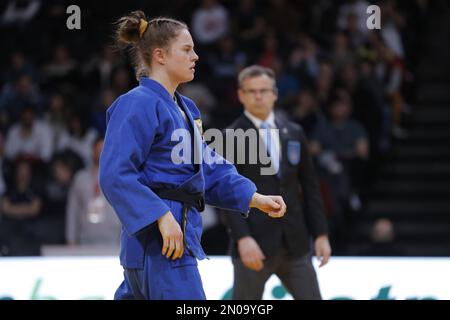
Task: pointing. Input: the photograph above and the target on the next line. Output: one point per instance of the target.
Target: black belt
(189, 200)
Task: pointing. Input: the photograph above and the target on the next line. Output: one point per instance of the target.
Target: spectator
(270, 51)
(19, 66)
(307, 113)
(79, 137)
(346, 138)
(356, 9)
(62, 67)
(249, 25)
(392, 23)
(90, 218)
(99, 69)
(98, 116)
(389, 69)
(342, 55)
(121, 80)
(371, 108)
(52, 221)
(342, 148)
(304, 59)
(203, 98)
(382, 238)
(287, 84)
(324, 83)
(224, 63)
(29, 138)
(356, 36)
(56, 117)
(13, 98)
(227, 60)
(20, 207)
(367, 108)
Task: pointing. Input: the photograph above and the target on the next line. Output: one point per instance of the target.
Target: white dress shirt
(275, 135)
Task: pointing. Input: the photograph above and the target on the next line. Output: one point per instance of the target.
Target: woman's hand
(274, 206)
(172, 235)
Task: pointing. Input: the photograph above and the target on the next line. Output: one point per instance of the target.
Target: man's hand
(172, 236)
(274, 206)
(323, 249)
(251, 254)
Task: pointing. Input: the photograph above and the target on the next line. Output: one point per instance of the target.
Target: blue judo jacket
(137, 157)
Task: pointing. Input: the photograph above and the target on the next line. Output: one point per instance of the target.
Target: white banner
(75, 278)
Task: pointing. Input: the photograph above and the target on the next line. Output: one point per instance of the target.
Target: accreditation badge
(293, 152)
(96, 210)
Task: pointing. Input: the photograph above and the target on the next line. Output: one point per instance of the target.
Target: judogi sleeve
(224, 187)
(131, 126)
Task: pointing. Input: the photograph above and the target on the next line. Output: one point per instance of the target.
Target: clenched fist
(274, 206)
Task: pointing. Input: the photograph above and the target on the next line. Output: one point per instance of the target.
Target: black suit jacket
(297, 184)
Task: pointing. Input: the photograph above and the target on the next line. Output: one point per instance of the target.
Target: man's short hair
(255, 71)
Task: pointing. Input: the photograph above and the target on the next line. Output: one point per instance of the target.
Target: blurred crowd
(347, 86)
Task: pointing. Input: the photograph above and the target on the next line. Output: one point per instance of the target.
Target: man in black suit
(262, 246)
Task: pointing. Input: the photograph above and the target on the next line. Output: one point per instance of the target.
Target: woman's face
(181, 58)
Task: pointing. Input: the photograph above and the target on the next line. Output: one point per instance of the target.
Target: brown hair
(255, 71)
(143, 36)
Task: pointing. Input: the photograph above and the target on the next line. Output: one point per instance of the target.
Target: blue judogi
(135, 159)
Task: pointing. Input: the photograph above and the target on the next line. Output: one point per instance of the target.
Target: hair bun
(128, 27)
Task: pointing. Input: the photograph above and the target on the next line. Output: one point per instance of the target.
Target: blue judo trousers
(137, 159)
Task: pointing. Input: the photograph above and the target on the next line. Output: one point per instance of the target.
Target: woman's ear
(159, 56)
